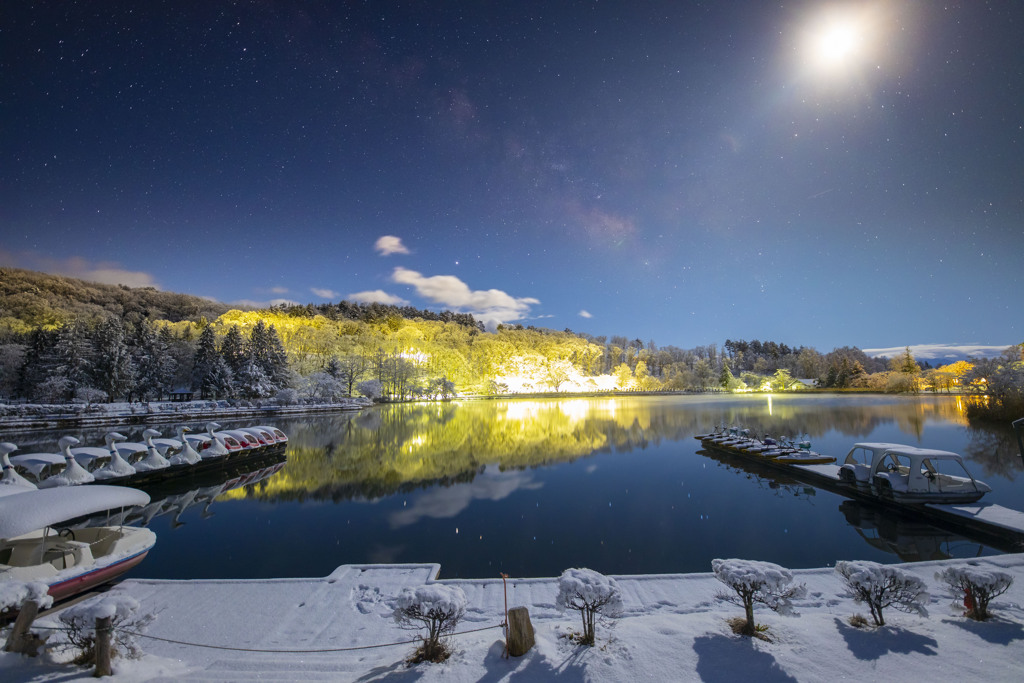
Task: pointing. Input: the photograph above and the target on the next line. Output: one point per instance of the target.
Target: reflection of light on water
(575, 410)
(769, 404)
(415, 442)
(522, 410)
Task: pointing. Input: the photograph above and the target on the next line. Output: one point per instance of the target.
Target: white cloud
(324, 293)
(377, 296)
(585, 314)
(449, 502)
(104, 272)
(491, 306)
(389, 244)
(940, 351)
(279, 290)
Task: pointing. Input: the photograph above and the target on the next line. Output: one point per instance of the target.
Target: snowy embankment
(672, 627)
(43, 416)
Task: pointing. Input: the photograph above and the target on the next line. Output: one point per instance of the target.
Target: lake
(532, 487)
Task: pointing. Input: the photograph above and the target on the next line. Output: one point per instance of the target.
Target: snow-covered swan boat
(34, 547)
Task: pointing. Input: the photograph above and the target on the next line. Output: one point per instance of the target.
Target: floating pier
(994, 525)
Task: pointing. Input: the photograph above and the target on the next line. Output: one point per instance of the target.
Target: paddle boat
(923, 475)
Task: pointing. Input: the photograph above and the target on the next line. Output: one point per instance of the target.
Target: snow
(586, 586)
(671, 628)
(434, 597)
(103, 607)
(13, 594)
(32, 510)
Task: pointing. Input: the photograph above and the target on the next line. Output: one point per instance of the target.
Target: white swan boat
(34, 547)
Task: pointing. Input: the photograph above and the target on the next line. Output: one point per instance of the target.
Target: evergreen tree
(218, 383)
(38, 362)
(114, 369)
(233, 349)
(252, 382)
(154, 364)
(277, 361)
(207, 363)
(72, 353)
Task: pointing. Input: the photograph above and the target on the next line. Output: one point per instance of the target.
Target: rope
(336, 649)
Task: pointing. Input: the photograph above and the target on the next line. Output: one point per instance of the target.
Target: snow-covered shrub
(590, 594)
(436, 607)
(287, 397)
(371, 388)
(80, 622)
(881, 586)
(975, 587)
(761, 583)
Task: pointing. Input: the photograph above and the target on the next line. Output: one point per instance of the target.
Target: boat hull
(96, 576)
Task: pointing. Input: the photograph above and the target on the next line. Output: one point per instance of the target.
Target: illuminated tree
(623, 376)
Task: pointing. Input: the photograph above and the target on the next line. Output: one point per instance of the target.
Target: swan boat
(35, 545)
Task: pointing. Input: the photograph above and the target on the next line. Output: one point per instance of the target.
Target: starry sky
(815, 173)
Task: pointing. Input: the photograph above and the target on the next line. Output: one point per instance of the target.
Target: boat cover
(30, 510)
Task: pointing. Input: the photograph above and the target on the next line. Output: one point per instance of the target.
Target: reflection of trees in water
(995, 450)
(400, 447)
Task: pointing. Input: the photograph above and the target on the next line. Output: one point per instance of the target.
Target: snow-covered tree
(207, 362)
(975, 587)
(757, 583)
(233, 349)
(154, 365)
(114, 370)
(590, 594)
(219, 383)
(322, 386)
(72, 356)
(881, 586)
(252, 382)
(436, 607)
(38, 362)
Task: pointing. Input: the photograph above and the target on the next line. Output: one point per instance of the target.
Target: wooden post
(520, 632)
(104, 626)
(20, 640)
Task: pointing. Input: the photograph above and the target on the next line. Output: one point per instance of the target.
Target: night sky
(820, 174)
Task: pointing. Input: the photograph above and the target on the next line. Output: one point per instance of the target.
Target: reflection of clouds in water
(385, 554)
(590, 469)
(444, 503)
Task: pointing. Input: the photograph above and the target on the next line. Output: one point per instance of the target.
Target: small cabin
(182, 394)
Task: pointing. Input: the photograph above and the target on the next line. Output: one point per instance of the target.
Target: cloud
(324, 293)
(585, 314)
(279, 290)
(389, 244)
(104, 272)
(491, 306)
(450, 502)
(377, 296)
(940, 351)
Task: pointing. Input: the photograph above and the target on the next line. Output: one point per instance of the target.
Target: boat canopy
(31, 510)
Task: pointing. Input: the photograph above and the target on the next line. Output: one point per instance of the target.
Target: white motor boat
(35, 547)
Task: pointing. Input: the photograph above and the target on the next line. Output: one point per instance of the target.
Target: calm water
(531, 487)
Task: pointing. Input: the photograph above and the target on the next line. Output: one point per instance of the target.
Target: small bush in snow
(287, 397)
(975, 587)
(80, 622)
(590, 594)
(761, 583)
(881, 586)
(371, 389)
(436, 607)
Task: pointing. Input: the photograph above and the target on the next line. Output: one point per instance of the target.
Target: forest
(67, 340)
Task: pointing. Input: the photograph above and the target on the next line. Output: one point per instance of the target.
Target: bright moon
(838, 40)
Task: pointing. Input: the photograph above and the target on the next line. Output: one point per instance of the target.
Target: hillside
(29, 299)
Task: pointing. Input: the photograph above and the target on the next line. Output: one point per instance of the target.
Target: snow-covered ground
(672, 629)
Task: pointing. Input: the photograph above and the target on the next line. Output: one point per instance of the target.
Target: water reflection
(399, 448)
(909, 539)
